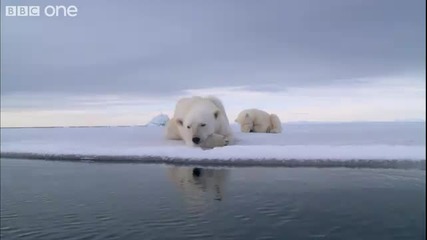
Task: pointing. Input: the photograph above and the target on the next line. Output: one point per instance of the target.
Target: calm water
(66, 200)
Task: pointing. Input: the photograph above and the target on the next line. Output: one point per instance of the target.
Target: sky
(124, 62)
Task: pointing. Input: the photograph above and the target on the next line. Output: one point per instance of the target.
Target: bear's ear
(179, 121)
(216, 114)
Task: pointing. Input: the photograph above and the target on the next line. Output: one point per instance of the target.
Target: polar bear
(255, 120)
(200, 121)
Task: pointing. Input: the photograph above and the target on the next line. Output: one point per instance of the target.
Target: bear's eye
(203, 124)
(188, 127)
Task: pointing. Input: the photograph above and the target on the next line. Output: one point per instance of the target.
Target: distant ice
(310, 144)
(159, 120)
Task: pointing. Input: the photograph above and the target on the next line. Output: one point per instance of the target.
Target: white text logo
(35, 11)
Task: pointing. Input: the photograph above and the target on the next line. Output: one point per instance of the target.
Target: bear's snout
(196, 140)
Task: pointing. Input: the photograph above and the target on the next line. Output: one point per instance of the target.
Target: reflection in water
(199, 184)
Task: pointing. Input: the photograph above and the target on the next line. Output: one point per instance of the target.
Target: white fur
(189, 117)
(255, 120)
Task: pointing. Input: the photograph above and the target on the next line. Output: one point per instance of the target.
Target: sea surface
(85, 200)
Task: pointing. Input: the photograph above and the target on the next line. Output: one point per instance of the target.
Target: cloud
(162, 48)
(381, 99)
(124, 62)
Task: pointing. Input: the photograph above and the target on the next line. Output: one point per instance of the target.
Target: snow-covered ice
(300, 144)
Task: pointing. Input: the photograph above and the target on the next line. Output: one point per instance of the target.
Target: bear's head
(198, 125)
(245, 120)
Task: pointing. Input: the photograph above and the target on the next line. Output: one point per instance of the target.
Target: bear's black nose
(196, 140)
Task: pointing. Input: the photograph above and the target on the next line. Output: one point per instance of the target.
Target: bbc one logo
(35, 11)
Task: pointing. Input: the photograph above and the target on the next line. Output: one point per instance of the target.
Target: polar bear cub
(255, 120)
(200, 121)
